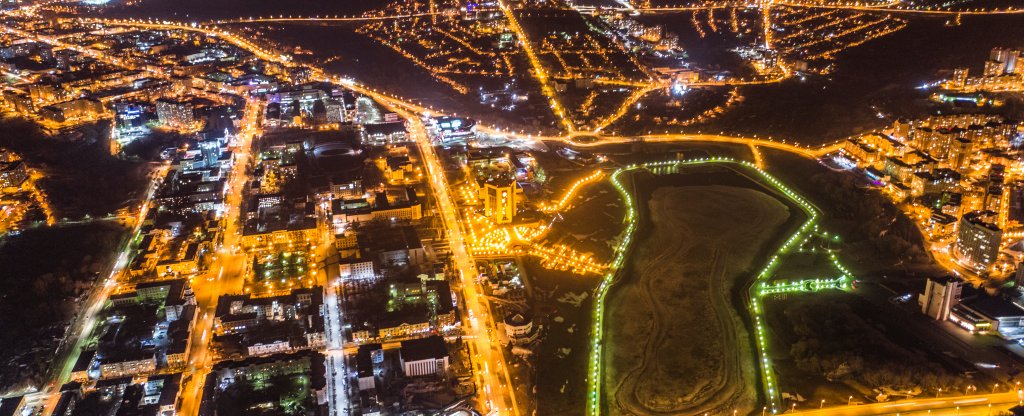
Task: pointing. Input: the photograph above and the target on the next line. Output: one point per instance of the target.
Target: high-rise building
(978, 238)
(1007, 56)
(940, 295)
(12, 175)
(960, 77)
(1015, 203)
(994, 68)
(500, 201)
(1011, 61)
(960, 153)
(998, 54)
(176, 114)
(211, 152)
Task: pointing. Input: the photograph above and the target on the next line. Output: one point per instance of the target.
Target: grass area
(282, 394)
(708, 172)
(814, 258)
(279, 272)
(677, 341)
(47, 273)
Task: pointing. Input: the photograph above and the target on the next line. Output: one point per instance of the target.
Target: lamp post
(822, 406)
(849, 400)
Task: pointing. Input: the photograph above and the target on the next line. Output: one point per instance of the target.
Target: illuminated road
(270, 55)
(962, 405)
(226, 274)
(335, 18)
(712, 138)
(491, 374)
(334, 321)
(337, 387)
(975, 12)
(494, 380)
(490, 367)
(538, 69)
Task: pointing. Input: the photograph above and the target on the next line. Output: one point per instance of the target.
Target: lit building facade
(500, 201)
(940, 295)
(176, 114)
(12, 175)
(978, 239)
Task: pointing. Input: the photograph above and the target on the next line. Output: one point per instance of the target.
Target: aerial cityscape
(511, 207)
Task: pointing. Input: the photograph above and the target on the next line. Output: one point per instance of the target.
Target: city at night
(511, 207)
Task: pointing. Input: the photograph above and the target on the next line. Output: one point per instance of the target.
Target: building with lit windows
(175, 114)
(451, 128)
(369, 360)
(356, 268)
(987, 313)
(520, 329)
(282, 223)
(12, 175)
(402, 205)
(130, 118)
(392, 246)
(978, 238)
(129, 364)
(500, 201)
(269, 325)
(72, 110)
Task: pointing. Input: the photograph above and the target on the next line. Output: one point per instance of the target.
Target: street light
(849, 400)
(822, 406)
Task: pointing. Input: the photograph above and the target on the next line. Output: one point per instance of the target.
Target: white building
(424, 357)
(940, 295)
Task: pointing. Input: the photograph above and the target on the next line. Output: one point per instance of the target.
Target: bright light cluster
(562, 257)
(548, 208)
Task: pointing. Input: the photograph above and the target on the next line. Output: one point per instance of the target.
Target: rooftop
(428, 348)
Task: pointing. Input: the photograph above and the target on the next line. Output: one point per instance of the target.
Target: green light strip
(759, 288)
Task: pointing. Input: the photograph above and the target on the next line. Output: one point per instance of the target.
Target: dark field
(47, 272)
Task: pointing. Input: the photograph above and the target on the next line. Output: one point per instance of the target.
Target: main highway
(490, 367)
(226, 274)
(979, 405)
